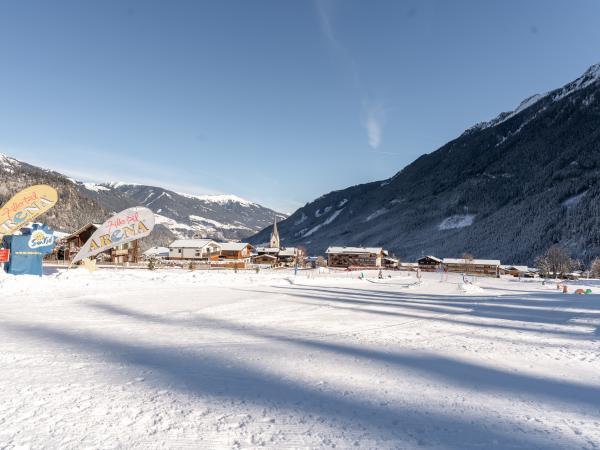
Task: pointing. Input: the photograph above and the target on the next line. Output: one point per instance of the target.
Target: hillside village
(203, 253)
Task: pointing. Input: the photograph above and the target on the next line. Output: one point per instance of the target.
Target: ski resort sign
(25, 207)
(128, 225)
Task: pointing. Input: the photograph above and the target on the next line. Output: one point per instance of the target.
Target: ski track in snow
(179, 359)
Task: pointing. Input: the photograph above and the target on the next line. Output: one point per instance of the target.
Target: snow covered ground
(178, 359)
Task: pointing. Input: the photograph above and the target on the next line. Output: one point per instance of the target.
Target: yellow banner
(26, 206)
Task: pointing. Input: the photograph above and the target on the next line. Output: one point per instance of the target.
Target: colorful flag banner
(126, 226)
(25, 207)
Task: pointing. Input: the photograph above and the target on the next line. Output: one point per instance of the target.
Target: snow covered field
(178, 359)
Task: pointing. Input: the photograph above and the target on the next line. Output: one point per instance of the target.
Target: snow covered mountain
(507, 189)
(178, 215)
(186, 215)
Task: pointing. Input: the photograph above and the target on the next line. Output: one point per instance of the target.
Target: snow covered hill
(186, 215)
(178, 215)
(271, 360)
(73, 209)
(507, 188)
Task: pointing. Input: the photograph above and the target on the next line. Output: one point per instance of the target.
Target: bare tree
(468, 257)
(541, 263)
(555, 261)
(595, 268)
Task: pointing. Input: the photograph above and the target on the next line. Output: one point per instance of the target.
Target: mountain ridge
(221, 216)
(507, 188)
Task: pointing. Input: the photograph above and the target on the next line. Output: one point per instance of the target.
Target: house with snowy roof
(70, 245)
(284, 256)
(355, 256)
(238, 251)
(429, 263)
(516, 271)
(156, 252)
(288, 256)
(490, 267)
(194, 249)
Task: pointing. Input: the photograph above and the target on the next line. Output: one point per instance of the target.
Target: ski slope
(179, 359)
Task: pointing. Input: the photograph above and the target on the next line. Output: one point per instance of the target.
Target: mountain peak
(8, 163)
(506, 193)
(590, 76)
(219, 198)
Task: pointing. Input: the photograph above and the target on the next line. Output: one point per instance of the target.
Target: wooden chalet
(410, 266)
(156, 252)
(273, 251)
(515, 271)
(194, 249)
(489, 267)
(288, 256)
(429, 263)
(240, 251)
(124, 253)
(265, 260)
(391, 263)
(355, 256)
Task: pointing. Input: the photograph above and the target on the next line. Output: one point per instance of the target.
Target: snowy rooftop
(519, 268)
(157, 251)
(267, 250)
(192, 243)
(430, 257)
(483, 262)
(354, 250)
(233, 246)
(289, 251)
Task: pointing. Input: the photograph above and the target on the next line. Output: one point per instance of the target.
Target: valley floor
(178, 359)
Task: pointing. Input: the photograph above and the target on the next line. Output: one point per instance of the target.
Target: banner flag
(126, 226)
(25, 207)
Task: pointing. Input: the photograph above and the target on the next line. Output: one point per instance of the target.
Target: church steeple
(274, 243)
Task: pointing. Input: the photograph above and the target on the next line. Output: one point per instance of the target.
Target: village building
(194, 249)
(156, 252)
(273, 251)
(429, 263)
(390, 263)
(288, 256)
(274, 242)
(72, 243)
(410, 266)
(265, 260)
(488, 267)
(515, 271)
(355, 256)
(239, 251)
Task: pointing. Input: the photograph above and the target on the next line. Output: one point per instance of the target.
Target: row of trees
(556, 262)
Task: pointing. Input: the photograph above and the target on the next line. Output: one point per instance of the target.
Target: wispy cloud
(373, 113)
(375, 119)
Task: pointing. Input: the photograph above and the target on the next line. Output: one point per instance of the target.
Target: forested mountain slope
(507, 189)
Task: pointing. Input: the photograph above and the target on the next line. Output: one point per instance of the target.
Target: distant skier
(380, 275)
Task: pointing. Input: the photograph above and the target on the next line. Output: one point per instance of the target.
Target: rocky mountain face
(221, 217)
(508, 189)
(177, 215)
(73, 209)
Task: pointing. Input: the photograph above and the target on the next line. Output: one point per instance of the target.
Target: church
(275, 254)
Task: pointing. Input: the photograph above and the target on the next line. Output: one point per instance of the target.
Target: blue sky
(275, 101)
